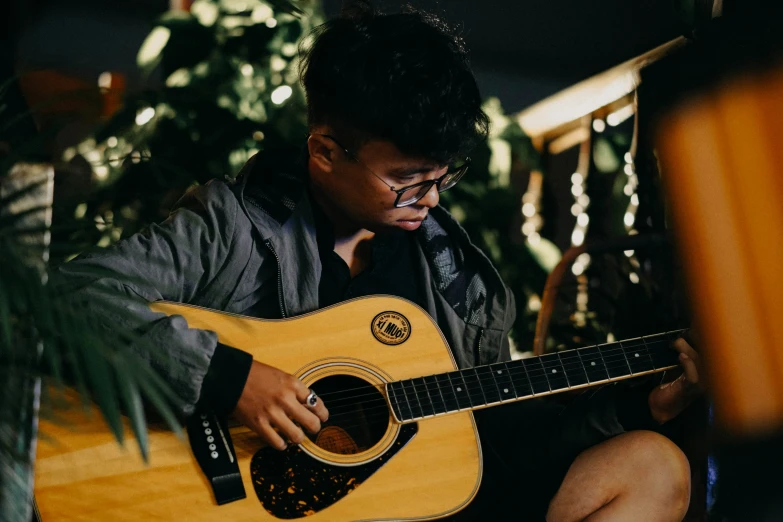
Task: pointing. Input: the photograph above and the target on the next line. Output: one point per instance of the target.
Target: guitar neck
(501, 383)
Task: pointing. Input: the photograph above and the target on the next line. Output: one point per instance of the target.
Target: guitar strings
(534, 378)
(570, 354)
(379, 402)
(611, 359)
(378, 409)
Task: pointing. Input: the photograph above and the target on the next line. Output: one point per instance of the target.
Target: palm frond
(74, 350)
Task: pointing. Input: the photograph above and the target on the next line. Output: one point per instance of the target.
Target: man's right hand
(273, 403)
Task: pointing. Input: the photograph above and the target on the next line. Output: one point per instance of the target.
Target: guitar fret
(428, 408)
(415, 407)
(593, 364)
(583, 365)
(609, 371)
(527, 374)
(555, 374)
(461, 391)
(616, 363)
(520, 379)
(450, 398)
(418, 399)
(495, 380)
(649, 355)
(474, 388)
(488, 384)
(548, 383)
(574, 367)
(535, 371)
(438, 402)
(395, 404)
(480, 385)
(565, 373)
(409, 414)
(635, 351)
(507, 375)
(625, 356)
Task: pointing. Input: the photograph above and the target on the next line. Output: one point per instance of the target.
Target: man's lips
(420, 218)
(411, 224)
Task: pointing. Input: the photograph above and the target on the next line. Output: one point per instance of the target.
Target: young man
(394, 111)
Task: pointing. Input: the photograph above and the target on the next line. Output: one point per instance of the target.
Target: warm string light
(629, 218)
(579, 208)
(532, 223)
(531, 202)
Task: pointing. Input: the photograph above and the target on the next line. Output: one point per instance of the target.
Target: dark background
(522, 50)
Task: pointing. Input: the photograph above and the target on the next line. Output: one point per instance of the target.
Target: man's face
(355, 188)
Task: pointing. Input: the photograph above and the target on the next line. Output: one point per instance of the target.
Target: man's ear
(323, 152)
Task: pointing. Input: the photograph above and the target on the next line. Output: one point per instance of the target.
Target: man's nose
(431, 198)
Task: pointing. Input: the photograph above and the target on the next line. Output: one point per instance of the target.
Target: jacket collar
(272, 190)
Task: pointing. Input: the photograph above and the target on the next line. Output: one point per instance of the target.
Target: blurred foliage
(230, 88)
(45, 342)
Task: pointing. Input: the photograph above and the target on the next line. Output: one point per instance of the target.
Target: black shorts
(524, 462)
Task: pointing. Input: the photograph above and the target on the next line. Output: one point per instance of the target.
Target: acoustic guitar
(400, 444)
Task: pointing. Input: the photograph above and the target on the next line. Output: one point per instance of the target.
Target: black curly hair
(401, 77)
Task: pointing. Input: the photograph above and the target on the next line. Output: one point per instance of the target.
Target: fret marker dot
(554, 371)
(500, 371)
(592, 363)
(636, 355)
(505, 390)
(459, 389)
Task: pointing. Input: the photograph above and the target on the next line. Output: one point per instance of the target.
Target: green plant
(45, 343)
(230, 89)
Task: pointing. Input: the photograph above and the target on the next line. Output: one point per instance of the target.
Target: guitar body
(363, 466)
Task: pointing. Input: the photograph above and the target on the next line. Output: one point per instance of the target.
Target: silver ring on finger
(312, 399)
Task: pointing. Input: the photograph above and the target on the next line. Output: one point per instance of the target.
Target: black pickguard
(292, 484)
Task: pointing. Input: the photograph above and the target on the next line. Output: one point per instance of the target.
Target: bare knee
(660, 466)
(641, 468)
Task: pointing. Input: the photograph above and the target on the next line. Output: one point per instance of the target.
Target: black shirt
(392, 269)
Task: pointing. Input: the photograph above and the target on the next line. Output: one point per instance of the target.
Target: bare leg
(639, 476)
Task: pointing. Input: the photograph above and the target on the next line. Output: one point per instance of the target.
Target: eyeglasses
(412, 193)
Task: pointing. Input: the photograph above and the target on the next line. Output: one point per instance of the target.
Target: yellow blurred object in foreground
(722, 160)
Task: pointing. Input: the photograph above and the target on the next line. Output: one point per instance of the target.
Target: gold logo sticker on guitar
(391, 328)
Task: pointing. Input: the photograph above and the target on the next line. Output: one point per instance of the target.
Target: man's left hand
(670, 399)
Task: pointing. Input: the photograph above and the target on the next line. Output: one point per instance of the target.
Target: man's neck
(351, 242)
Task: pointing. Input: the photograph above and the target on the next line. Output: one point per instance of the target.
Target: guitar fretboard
(498, 383)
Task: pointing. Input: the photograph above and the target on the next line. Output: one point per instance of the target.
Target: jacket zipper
(279, 279)
(478, 346)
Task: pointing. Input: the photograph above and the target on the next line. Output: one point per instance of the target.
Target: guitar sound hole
(358, 415)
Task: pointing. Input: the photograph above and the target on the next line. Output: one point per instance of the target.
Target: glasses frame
(400, 191)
